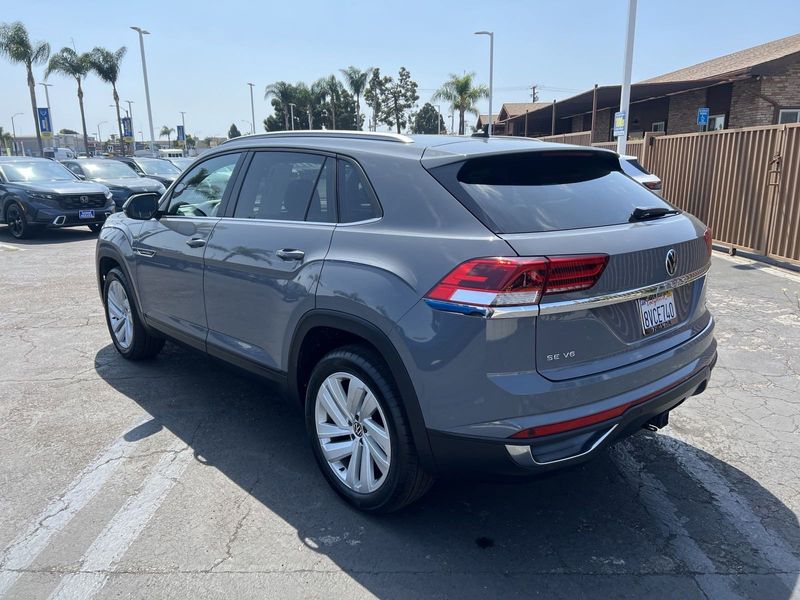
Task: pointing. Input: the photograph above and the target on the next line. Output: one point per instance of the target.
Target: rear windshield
(546, 191)
(632, 167)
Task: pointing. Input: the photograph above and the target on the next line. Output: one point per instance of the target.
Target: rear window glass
(546, 191)
(633, 168)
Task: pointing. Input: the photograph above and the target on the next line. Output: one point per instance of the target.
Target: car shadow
(597, 530)
(48, 236)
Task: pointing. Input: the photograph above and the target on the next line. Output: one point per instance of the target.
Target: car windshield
(106, 169)
(157, 166)
(181, 163)
(40, 170)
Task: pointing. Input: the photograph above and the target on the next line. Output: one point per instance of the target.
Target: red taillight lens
(509, 281)
(652, 185)
(708, 238)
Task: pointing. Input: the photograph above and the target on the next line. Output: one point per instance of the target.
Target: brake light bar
(652, 185)
(514, 281)
(709, 240)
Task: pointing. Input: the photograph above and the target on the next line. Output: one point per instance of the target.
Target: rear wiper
(643, 214)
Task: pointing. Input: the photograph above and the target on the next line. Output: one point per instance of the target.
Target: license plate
(86, 214)
(657, 312)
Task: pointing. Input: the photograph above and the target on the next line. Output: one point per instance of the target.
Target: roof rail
(333, 133)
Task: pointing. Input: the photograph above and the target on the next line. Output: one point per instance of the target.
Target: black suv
(37, 192)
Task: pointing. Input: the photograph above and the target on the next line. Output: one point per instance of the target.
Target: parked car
(154, 168)
(58, 153)
(181, 162)
(117, 177)
(38, 192)
(435, 304)
(632, 168)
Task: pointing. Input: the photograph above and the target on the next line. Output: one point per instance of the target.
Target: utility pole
(142, 33)
(439, 119)
(534, 97)
(183, 124)
(291, 113)
(14, 132)
(252, 108)
(625, 94)
(46, 87)
(491, 74)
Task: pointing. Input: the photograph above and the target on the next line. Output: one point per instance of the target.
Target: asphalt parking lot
(180, 478)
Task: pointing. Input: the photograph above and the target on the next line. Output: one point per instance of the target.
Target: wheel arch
(309, 344)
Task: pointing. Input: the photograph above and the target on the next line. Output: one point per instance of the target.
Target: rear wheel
(130, 337)
(359, 433)
(17, 225)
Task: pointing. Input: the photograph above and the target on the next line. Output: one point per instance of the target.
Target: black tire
(17, 224)
(406, 481)
(95, 227)
(143, 345)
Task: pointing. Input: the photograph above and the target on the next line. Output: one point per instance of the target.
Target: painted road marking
(124, 527)
(665, 515)
(26, 547)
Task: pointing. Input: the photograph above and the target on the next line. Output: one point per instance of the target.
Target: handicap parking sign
(702, 116)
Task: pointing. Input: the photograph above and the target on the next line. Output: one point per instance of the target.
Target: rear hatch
(568, 202)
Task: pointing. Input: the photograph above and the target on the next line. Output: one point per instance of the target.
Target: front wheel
(359, 432)
(15, 219)
(130, 337)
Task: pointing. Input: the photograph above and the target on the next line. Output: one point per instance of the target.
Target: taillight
(652, 185)
(511, 281)
(708, 238)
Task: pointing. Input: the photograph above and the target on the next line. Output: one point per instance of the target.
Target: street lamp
(252, 108)
(625, 92)
(183, 125)
(143, 33)
(291, 112)
(439, 119)
(99, 139)
(14, 131)
(491, 74)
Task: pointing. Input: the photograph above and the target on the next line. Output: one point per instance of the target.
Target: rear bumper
(460, 454)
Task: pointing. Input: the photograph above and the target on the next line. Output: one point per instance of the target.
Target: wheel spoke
(325, 397)
(368, 406)
(377, 454)
(336, 451)
(329, 430)
(355, 466)
(337, 394)
(366, 474)
(355, 396)
(119, 324)
(379, 434)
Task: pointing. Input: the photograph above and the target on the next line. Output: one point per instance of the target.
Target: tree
(314, 107)
(191, 141)
(6, 140)
(282, 92)
(69, 63)
(67, 132)
(394, 98)
(356, 81)
(167, 131)
(16, 46)
(106, 65)
(373, 93)
(329, 89)
(428, 120)
(233, 132)
(462, 95)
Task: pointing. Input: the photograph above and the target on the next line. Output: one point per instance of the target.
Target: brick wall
(602, 125)
(783, 88)
(682, 115)
(748, 110)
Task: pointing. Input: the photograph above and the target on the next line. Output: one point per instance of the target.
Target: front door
(169, 251)
(263, 261)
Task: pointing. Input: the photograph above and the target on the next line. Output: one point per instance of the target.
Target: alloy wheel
(14, 219)
(353, 432)
(119, 314)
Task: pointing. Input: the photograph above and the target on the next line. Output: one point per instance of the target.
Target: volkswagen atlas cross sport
(37, 192)
(435, 304)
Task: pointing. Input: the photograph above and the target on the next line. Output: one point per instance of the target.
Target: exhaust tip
(59, 220)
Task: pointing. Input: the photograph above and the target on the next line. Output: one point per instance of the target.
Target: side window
(357, 201)
(199, 193)
(281, 185)
(74, 168)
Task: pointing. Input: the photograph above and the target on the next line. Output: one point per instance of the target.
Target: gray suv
(435, 304)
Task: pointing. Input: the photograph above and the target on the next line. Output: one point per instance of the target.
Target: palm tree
(16, 46)
(5, 140)
(356, 81)
(284, 92)
(328, 88)
(167, 131)
(106, 65)
(71, 64)
(462, 94)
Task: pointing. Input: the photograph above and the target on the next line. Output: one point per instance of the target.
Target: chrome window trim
(553, 308)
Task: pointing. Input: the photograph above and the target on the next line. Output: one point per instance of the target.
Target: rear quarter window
(546, 191)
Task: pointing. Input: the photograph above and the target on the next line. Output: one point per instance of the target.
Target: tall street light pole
(99, 139)
(252, 109)
(625, 94)
(14, 131)
(143, 33)
(439, 119)
(183, 124)
(291, 111)
(491, 73)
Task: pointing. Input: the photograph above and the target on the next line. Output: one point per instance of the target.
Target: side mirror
(142, 207)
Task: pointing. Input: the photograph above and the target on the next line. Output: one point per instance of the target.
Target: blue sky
(201, 54)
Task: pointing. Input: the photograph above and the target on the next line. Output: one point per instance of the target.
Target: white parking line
(656, 501)
(125, 526)
(768, 543)
(27, 546)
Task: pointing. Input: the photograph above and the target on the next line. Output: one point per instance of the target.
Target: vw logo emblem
(672, 262)
(358, 429)
(84, 199)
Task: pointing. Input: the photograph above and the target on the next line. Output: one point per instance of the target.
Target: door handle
(290, 254)
(196, 243)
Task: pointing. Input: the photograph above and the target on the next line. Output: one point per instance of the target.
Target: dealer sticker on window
(658, 312)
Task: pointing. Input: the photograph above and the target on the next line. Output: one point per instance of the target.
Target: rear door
(169, 251)
(264, 258)
(649, 297)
